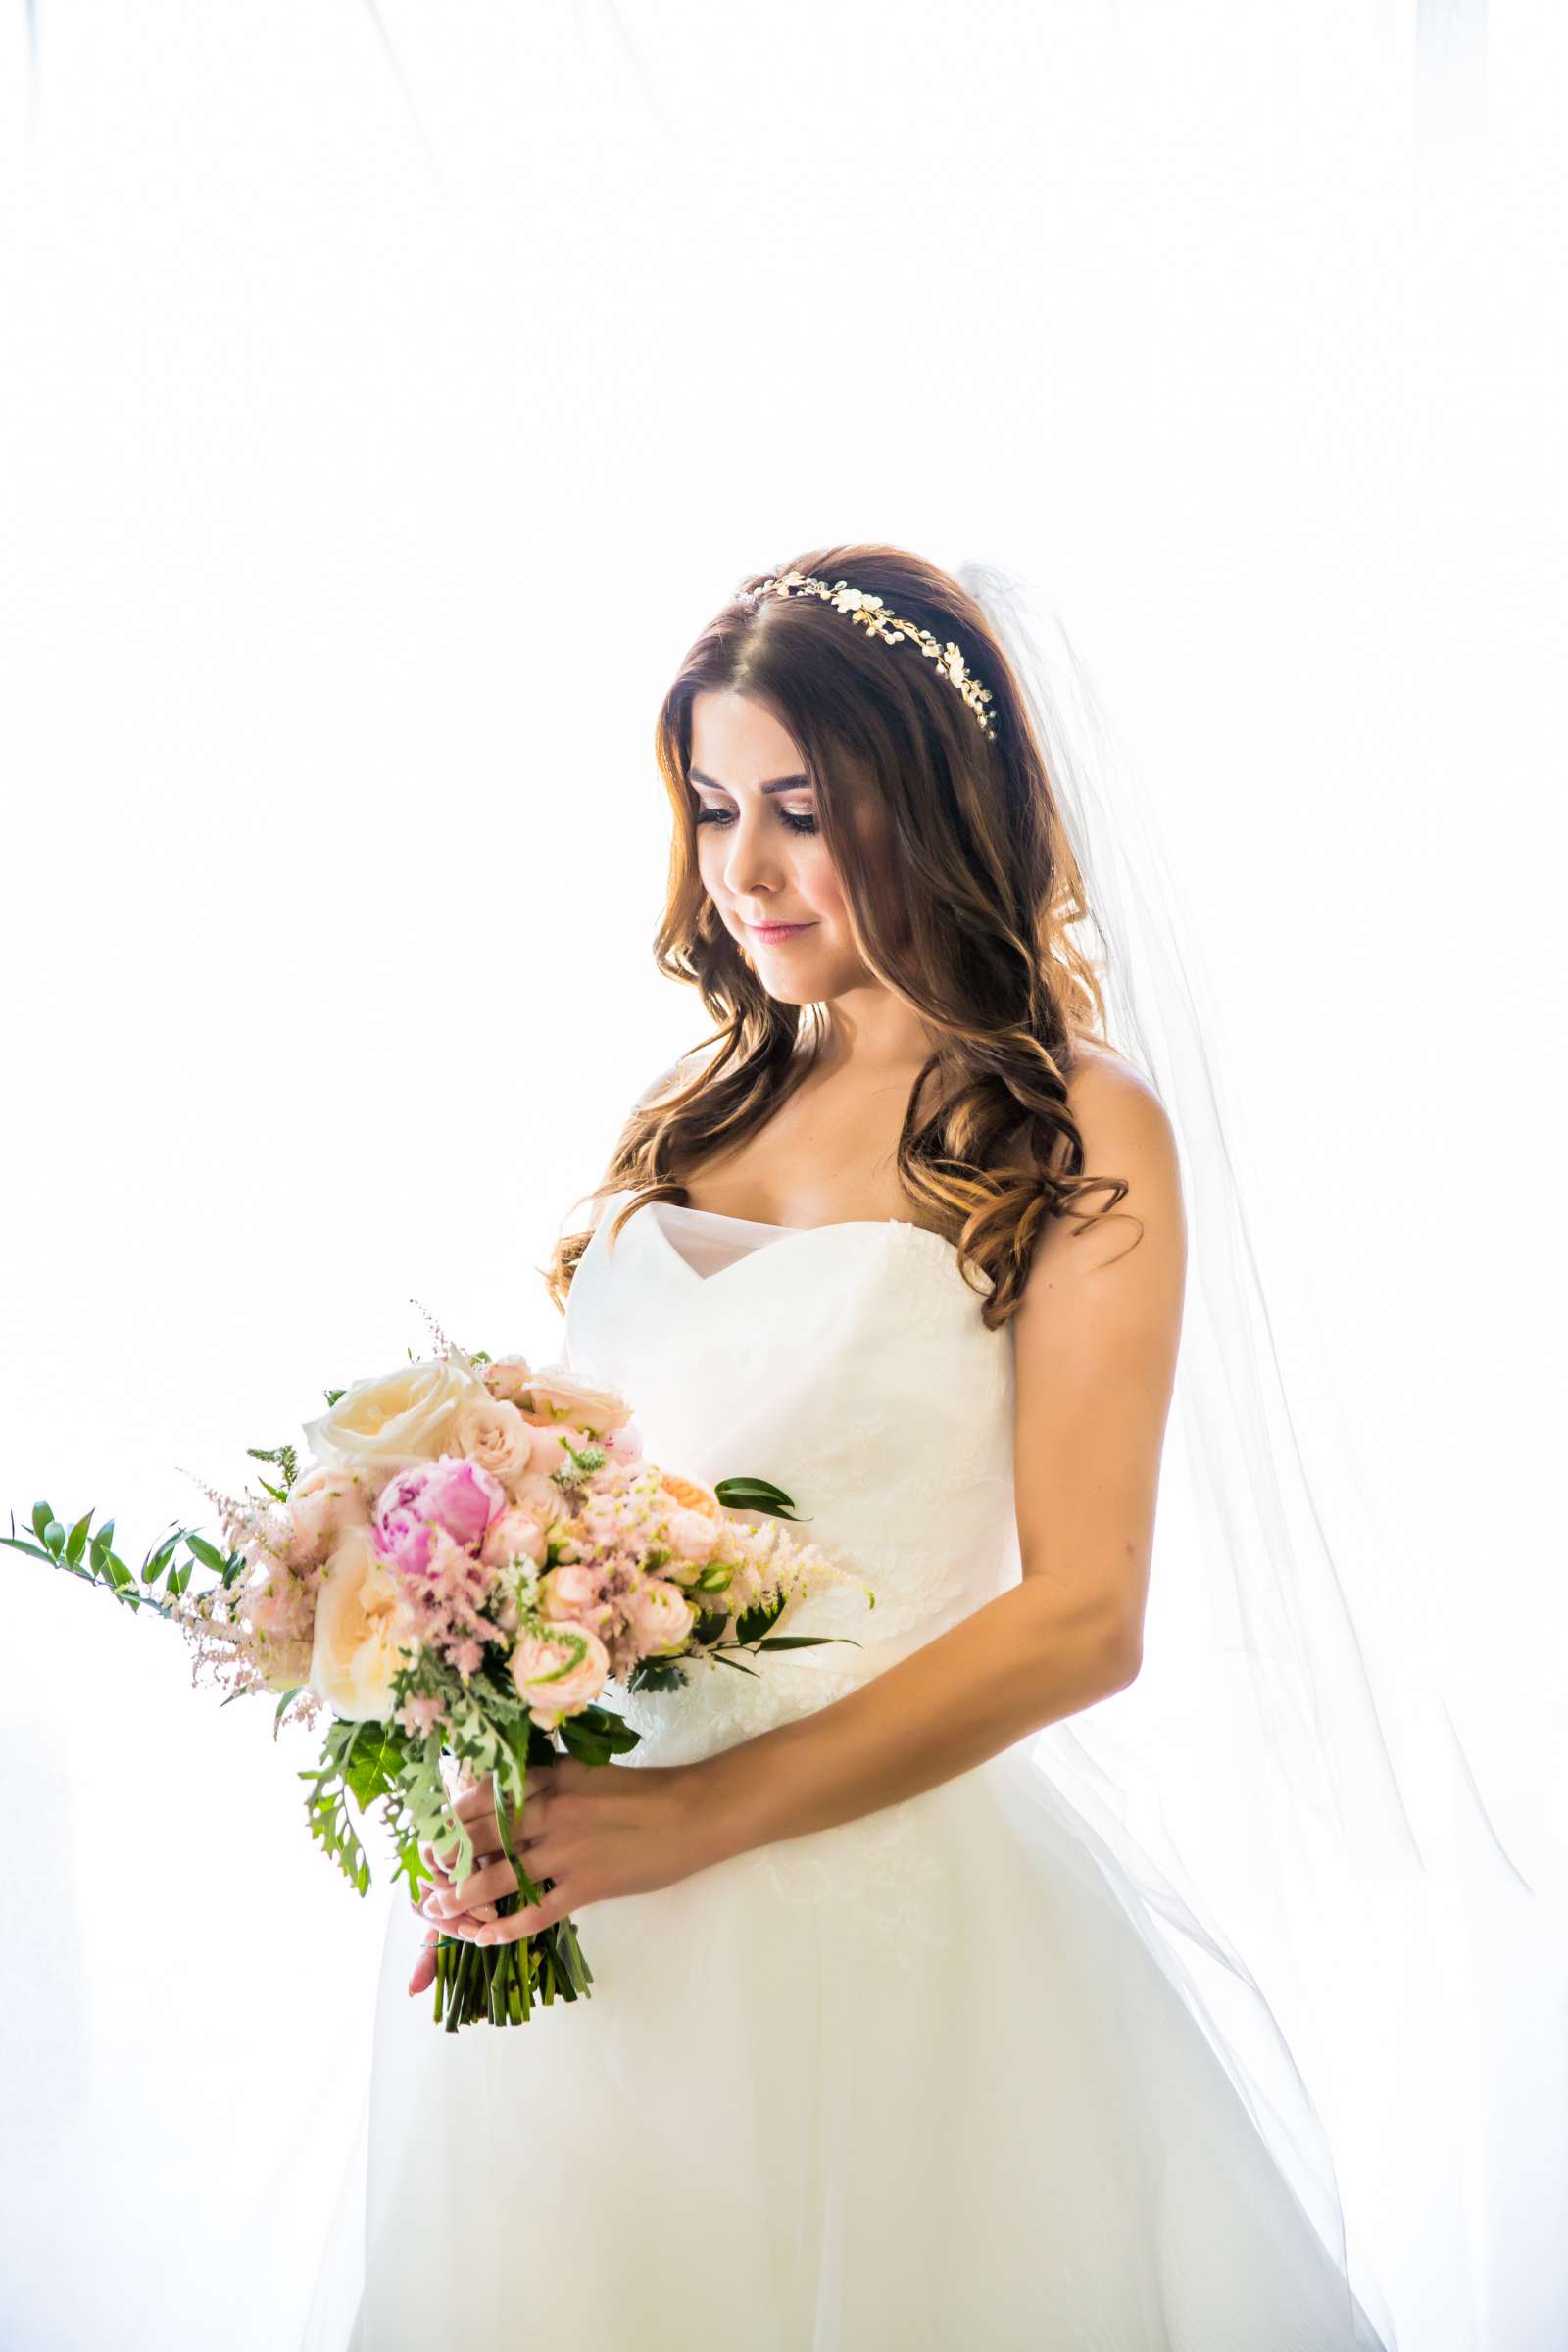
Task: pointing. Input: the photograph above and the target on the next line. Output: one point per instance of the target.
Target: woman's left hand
(597, 1830)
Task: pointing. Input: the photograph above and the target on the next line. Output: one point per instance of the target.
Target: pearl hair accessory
(874, 614)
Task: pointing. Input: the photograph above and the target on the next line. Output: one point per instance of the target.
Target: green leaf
(75, 1542)
(208, 1553)
(753, 1622)
(42, 1515)
(102, 1540)
(595, 1743)
(156, 1562)
(376, 1763)
(755, 1495)
(804, 1640)
(653, 1674)
(19, 1544)
(54, 1536)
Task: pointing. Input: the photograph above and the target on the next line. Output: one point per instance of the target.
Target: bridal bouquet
(475, 1551)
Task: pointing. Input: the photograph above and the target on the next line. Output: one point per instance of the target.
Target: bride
(886, 2047)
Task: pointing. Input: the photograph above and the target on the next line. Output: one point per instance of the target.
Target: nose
(751, 863)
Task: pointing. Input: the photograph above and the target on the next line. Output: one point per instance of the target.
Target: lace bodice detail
(850, 1364)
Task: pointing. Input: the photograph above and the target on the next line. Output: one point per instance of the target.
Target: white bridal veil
(1358, 1943)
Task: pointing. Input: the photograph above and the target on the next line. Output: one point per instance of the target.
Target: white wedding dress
(921, 2083)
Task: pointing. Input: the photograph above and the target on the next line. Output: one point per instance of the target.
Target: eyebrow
(775, 784)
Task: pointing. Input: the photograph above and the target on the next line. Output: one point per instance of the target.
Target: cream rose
(489, 1431)
(361, 1618)
(532, 1491)
(394, 1421)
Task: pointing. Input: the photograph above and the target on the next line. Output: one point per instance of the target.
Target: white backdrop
(389, 393)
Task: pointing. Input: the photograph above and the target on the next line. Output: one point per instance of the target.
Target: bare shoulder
(1127, 1135)
(1116, 1106)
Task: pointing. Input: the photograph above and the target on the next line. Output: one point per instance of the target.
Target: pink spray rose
(571, 1591)
(507, 1377)
(660, 1615)
(694, 1538)
(556, 1394)
(549, 1447)
(461, 1497)
(558, 1672)
(515, 1535)
(323, 1504)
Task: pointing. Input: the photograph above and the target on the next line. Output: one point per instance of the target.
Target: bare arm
(1095, 1342)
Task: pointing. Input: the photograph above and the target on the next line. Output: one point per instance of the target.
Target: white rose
(361, 1619)
(394, 1421)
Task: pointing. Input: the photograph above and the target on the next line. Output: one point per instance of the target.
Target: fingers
(527, 1920)
(478, 1797)
(484, 1885)
(484, 1832)
(423, 1976)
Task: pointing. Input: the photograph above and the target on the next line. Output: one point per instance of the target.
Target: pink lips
(775, 931)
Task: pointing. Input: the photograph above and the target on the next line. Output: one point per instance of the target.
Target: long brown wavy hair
(964, 909)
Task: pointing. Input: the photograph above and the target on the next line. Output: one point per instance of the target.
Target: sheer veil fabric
(1388, 2002)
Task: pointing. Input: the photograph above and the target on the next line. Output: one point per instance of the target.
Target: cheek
(817, 881)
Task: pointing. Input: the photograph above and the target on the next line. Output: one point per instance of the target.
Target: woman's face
(760, 854)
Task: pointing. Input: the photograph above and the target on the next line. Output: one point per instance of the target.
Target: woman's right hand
(423, 1976)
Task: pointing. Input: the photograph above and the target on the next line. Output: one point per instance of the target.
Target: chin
(799, 979)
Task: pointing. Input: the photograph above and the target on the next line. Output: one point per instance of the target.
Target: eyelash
(725, 816)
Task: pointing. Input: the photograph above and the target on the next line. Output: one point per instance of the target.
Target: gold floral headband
(870, 610)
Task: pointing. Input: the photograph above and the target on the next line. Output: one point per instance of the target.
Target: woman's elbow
(1121, 1650)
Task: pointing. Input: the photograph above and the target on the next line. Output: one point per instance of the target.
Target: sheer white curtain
(387, 396)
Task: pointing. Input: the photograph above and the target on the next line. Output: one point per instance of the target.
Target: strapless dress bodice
(848, 1363)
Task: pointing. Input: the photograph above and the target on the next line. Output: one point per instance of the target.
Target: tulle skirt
(916, 2082)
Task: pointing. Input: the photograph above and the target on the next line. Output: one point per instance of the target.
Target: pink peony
(558, 1672)
(626, 1444)
(458, 1496)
